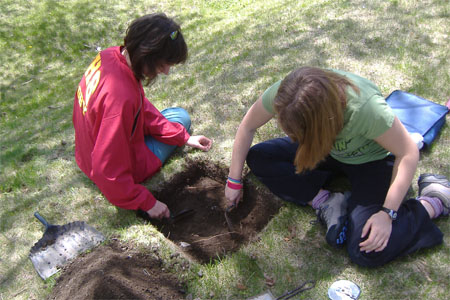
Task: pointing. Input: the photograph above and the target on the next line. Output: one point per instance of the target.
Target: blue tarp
(418, 114)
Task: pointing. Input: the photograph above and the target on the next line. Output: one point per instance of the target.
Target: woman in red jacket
(121, 139)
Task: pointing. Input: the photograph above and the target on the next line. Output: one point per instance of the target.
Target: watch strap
(391, 213)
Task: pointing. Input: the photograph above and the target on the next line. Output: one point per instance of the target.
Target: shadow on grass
(230, 67)
(241, 52)
(53, 36)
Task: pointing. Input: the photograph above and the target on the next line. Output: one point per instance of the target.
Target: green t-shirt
(366, 117)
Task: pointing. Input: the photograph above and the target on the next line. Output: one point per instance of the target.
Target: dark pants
(272, 162)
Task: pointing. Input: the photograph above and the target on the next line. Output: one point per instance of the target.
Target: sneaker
(438, 186)
(333, 214)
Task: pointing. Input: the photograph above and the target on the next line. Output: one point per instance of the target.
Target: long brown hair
(310, 106)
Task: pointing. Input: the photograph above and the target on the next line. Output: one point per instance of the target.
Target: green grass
(236, 50)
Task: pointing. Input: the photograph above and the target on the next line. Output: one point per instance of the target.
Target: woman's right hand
(233, 196)
(159, 211)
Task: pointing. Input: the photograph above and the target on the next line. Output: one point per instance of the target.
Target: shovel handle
(41, 218)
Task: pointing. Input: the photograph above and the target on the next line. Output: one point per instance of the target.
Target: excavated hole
(205, 234)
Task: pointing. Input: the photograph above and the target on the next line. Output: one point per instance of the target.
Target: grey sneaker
(333, 214)
(438, 186)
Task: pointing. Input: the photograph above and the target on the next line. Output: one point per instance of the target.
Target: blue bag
(418, 115)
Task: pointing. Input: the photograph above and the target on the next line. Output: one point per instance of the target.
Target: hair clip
(174, 35)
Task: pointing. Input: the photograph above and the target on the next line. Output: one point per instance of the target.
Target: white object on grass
(266, 296)
(344, 290)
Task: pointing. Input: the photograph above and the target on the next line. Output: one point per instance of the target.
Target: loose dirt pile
(116, 271)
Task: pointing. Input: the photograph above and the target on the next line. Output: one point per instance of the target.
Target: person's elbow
(415, 154)
(246, 128)
(412, 154)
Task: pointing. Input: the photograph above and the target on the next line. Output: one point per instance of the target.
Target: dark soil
(117, 271)
(205, 235)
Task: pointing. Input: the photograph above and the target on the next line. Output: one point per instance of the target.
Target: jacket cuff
(186, 137)
(147, 205)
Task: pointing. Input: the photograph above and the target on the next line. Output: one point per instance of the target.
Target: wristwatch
(392, 213)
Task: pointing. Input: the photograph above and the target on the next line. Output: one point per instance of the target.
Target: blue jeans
(273, 163)
(173, 114)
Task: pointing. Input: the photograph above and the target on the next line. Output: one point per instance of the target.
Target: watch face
(393, 215)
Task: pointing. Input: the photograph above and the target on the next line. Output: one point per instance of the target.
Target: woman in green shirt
(339, 123)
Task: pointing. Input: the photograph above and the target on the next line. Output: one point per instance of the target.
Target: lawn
(236, 50)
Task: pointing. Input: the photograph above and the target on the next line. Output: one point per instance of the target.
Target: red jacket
(111, 116)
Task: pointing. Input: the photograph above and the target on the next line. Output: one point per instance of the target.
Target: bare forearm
(398, 141)
(402, 176)
(242, 143)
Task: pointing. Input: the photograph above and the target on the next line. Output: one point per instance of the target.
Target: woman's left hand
(380, 227)
(200, 142)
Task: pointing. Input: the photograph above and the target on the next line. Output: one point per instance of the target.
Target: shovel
(307, 285)
(174, 217)
(184, 213)
(60, 244)
(227, 218)
(233, 234)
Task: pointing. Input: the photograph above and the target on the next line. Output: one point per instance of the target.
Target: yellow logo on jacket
(91, 77)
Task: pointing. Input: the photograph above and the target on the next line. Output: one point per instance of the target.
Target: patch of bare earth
(116, 271)
(205, 234)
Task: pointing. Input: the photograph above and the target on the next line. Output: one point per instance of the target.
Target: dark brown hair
(153, 40)
(310, 106)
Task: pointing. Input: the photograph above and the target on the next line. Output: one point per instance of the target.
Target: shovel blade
(61, 244)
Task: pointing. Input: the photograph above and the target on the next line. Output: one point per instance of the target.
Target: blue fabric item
(173, 114)
(418, 114)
